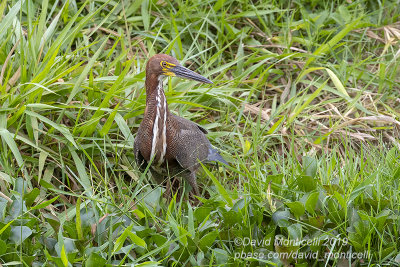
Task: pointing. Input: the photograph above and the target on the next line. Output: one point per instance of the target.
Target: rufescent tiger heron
(173, 145)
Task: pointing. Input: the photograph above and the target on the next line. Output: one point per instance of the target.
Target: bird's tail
(213, 155)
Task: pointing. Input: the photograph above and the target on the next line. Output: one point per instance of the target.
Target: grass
(305, 108)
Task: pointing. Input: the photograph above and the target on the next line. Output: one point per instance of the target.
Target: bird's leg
(191, 178)
(167, 192)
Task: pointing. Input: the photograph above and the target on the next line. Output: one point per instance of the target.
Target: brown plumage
(172, 144)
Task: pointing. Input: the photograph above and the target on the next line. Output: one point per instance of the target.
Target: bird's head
(162, 64)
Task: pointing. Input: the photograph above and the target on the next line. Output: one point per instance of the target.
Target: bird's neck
(156, 113)
(155, 96)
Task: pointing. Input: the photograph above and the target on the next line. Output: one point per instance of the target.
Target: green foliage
(305, 108)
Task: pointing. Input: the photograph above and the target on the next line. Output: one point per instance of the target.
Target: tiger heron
(172, 144)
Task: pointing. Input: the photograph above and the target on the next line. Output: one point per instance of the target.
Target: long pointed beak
(183, 72)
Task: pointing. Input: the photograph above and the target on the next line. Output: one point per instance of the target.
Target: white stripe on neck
(160, 100)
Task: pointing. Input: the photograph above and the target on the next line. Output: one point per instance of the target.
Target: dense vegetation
(305, 107)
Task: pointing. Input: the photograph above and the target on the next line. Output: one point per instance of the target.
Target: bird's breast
(159, 129)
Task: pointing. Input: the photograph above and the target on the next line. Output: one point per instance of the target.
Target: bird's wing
(213, 155)
(194, 142)
(192, 147)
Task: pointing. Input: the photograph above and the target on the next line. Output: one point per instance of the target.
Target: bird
(171, 144)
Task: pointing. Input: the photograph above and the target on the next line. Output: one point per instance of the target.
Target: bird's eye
(164, 64)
